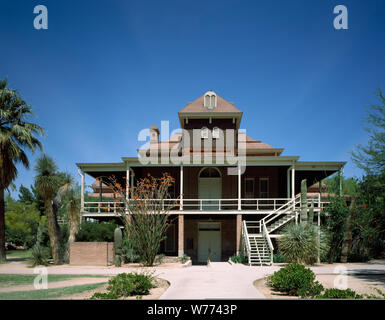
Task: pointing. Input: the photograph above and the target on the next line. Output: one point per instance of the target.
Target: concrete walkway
(219, 280)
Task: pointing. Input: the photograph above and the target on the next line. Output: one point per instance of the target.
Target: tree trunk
(346, 243)
(54, 237)
(2, 227)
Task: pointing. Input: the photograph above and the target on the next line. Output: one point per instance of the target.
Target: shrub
(95, 231)
(39, 256)
(358, 257)
(239, 258)
(295, 279)
(126, 285)
(184, 258)
(339, 294)
(299, 244)
(278, 258)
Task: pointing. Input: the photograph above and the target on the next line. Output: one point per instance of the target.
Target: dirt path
(57, 284)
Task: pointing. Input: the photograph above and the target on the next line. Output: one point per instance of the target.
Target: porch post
(181, 188)
(238, 233)
(128, 182)
(293, 190)
(239, 186)
(288, 182)
(81, 173)
(180, 235)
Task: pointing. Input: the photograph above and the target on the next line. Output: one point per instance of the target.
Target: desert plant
(118, 247)
(239, 258)
(146, 213)
(299, 243)
(303, 212)
(295, 279)
(129, 252)
(39, 256)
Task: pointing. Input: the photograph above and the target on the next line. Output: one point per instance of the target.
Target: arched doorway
(210, 187)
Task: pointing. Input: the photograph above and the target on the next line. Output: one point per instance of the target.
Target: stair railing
(246, 240)
(266, 236)
(290, 205)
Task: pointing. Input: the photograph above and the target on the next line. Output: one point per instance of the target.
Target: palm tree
(16, 136)
(69, 197)
(46, 182)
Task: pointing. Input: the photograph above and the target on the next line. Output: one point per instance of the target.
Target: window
(249, 187)
(264, 187)
(204, 133)
(210, 172)
(210, 100)
(216, 133)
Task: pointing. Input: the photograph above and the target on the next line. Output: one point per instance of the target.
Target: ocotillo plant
(118, 239)
(303, 213)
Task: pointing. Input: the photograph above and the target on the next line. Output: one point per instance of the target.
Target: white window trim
(204, 133)
(216, 133)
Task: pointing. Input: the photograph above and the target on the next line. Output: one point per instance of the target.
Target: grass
(10, 280)
(19, 254)
(48, 293)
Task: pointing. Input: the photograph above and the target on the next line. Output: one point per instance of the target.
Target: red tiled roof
(223, 106)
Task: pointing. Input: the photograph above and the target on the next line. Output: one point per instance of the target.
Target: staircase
(260, 253)
(256, 238)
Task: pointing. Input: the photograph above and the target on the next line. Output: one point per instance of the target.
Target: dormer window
(216, 133)
(204, 133)
(210, 101)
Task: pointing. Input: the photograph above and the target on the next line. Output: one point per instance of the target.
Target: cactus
(303, 213)
(311, 213)
(118, 240)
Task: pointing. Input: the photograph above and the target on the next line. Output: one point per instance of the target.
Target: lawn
(10, 280)
(18, 254)
(48, 293)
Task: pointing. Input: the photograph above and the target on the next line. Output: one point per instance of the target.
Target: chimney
(154, 134)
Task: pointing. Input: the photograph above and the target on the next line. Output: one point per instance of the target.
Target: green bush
(239, 259)
(39, 256)
(126, 285)
(295, 280)
(278, 258)
(339, 294)
(184, 258)
(95, 231)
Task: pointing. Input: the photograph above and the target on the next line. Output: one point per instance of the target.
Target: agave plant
(299, 243)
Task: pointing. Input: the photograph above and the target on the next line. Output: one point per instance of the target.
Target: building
(233, 192)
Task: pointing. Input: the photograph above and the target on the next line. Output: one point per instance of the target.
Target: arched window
(210, 172)
(216, 133)
(204, 133)
(210, 101)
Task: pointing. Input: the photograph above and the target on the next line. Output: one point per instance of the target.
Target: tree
(25, 195)
(16, 137)
(21, 222)
(347, 241)
(371, 158)
(46, 182)
(68, 196)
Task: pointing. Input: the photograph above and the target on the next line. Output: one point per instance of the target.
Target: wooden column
(181, 188)
(239, 187)
(81, 173)
(180, 235)
(288, 183)
(238, 233)
(128, 183)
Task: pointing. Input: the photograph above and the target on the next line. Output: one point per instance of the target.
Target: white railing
(246, 240)
(290, 205)
(266, 236)
(251, 204)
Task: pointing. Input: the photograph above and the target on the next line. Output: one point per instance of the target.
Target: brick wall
(92, 253)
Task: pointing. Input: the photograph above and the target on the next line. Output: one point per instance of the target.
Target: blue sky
(104, 70)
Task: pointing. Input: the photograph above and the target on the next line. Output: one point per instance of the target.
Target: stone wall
(92, 253)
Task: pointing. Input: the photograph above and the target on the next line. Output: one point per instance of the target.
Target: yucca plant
(39, 256)
(299, 243)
